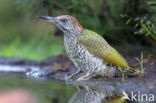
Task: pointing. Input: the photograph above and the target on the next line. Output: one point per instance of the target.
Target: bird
(87, 50)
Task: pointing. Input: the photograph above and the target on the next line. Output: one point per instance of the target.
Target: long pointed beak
(48, 18)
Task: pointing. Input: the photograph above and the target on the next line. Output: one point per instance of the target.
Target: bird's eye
(63, 20)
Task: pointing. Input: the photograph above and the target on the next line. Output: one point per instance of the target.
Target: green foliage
(38, 48)
(143, 19)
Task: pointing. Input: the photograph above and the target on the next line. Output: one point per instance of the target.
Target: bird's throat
(72, 34)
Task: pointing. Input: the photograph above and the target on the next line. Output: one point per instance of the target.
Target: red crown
(73, 18)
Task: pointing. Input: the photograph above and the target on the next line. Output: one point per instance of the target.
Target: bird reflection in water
(92, 95)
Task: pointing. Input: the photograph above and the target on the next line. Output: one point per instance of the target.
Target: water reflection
(45, 91)
(92, 91)
(94, 95)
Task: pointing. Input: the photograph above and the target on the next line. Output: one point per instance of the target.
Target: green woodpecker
(89, 52)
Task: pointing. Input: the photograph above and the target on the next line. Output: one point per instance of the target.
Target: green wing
(96, 45)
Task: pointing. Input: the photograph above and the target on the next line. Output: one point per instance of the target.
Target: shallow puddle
(91, 91)
(44, 91)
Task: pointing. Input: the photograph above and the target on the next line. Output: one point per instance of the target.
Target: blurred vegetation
(142, 20)
(23, 35)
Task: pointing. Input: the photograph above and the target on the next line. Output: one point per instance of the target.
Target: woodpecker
(88, 51)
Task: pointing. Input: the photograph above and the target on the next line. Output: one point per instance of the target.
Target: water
(52, 91)
(91, 91)
(45, 91)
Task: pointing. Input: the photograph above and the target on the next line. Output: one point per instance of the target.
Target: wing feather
(96, 45)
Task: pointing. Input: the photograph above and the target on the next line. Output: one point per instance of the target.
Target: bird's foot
(72, 75)
(123, 76)
(135, 73)
(141, 74)
(85, 77)
(68, 77)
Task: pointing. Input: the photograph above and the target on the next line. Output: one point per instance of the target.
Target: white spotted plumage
(84, 60)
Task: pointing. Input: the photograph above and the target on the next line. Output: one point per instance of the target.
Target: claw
(70, 76)
(85, 77)
(67, 78)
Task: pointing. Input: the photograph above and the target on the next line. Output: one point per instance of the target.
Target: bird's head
(67, 23)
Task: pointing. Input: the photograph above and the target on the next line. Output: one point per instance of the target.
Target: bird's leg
(87, 76)
(122, 74)
(70, 76)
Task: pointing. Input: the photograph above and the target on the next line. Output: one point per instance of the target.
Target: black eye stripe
(63, 20)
